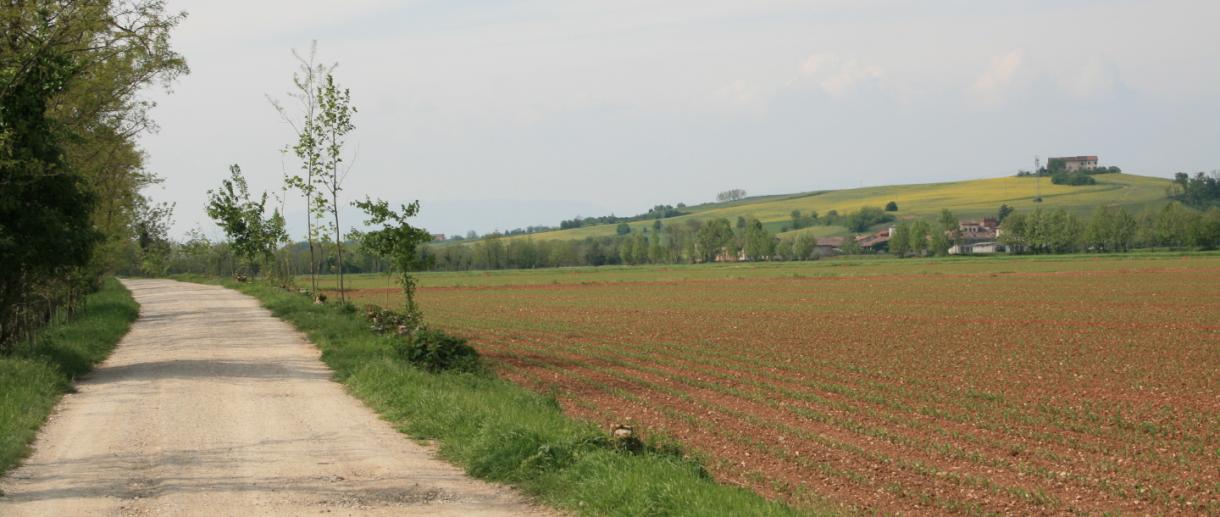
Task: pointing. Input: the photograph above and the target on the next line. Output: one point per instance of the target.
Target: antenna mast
(1038, 179)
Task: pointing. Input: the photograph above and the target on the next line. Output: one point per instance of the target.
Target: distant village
(1189, 220)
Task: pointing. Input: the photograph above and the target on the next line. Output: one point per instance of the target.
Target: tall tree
(307, 148)
(759, 243)
(70, 170)
(712, 238)
(330, 128)
(900, 240)
(153, 221)
(919, 238)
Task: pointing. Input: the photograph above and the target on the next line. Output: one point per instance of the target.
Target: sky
(497, 115)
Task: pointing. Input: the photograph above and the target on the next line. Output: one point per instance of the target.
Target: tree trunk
(313, 268)
(338, 240)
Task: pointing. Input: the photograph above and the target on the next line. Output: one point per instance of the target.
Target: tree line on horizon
(1109, 229)
(1039, 231)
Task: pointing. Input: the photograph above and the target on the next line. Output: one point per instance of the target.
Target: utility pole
(1038, 179)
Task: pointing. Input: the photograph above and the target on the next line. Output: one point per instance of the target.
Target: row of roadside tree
(71, 169)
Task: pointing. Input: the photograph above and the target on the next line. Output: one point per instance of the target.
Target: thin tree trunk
(313, 264)
(338, 247)
(334, 207)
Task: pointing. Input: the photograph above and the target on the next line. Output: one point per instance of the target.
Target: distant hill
(967, 199)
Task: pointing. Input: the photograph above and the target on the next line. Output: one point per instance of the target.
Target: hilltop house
(1071, 163)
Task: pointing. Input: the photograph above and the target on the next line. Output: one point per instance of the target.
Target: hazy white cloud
(1003, 77)
(1094, 80)
(742, 93)
(829, 73)
(838, 75)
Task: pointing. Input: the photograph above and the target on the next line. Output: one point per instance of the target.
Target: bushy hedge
(428, 348)
(1073, 178)
(436, 351)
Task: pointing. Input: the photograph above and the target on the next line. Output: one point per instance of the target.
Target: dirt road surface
(211, 406)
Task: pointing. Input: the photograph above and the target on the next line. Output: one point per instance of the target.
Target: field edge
(499, 431)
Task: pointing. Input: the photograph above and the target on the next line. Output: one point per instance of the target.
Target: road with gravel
(211, 406)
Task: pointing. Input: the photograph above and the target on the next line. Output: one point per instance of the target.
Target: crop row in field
(1083, 386)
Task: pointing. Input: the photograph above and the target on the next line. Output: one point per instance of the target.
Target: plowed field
(1010, 385)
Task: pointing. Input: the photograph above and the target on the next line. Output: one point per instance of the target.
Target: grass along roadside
(502, 432)
(33, 377)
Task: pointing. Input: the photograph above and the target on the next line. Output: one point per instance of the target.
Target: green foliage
(803, 246)
(712, 238)
(385, 321)
(330, 129)
(1110, 229)
(33, 377)
(1073, 178)
(892, 206)
(800, 220)
(1199, 191)
(152, 224)
(1042, 231)
(900, 240)
(866, 217)
(622, 229)
(398, 241)
(731, 195)
(759, 243)
(253, 235)
(1004, 212)
(919, 238)
(44, 203)
(436, 351)
(655, 213)
(308, 149)
(70, 170)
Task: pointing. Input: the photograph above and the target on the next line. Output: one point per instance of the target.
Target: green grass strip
(499, 431)
(34, 376)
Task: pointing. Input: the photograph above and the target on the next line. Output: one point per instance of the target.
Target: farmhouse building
(985, 229)
(828, 245)
(977, 237)
(879, 241)
(1072, 163)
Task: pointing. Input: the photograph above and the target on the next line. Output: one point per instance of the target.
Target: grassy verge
(32, 378)
(499, 431)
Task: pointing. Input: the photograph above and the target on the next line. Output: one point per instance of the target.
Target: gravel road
(211, 406)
